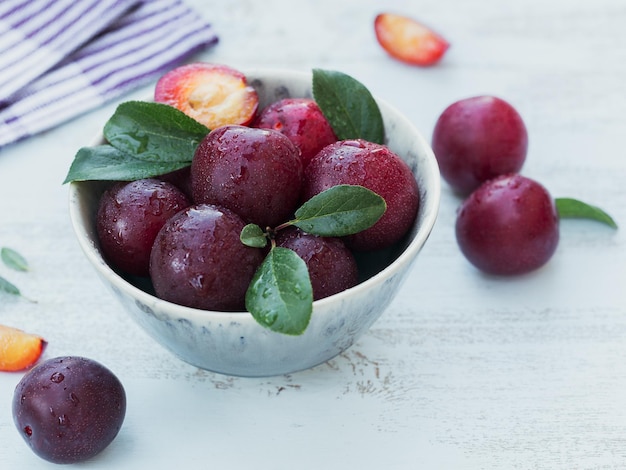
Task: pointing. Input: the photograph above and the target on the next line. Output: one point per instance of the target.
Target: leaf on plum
(105, 162)
(569, 208)
(145, 140)
(280, 296)
(348, 105)
(339, 211)
(252, 235)
(154, 131)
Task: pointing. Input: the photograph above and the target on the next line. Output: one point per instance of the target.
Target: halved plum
(213, 94)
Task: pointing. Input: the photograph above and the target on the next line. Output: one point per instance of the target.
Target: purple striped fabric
(83, 63)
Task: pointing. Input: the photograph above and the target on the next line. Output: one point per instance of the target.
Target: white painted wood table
(463, 371)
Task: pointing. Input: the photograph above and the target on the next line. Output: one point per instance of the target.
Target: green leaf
(569, 208)
(146, 139)
(154, 131)
(105, 162)
(13, 259)
(348, 105)
(6, 286)
(280, 296)
(339, 211)
(253, 235)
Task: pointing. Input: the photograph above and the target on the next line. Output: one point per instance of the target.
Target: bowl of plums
(254, 222)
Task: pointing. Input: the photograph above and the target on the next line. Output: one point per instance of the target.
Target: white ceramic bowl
(232, 342)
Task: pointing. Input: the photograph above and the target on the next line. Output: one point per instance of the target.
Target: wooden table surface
(462, 371)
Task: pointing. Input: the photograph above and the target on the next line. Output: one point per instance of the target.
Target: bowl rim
(404, 258)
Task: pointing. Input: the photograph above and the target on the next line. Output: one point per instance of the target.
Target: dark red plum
(375, 167)
(508, 226)
(69, 409)
(198, 259)
(181, 179)
(129, 218)
(256, 173)
(476, 139)
(332, 267)
(300, 119)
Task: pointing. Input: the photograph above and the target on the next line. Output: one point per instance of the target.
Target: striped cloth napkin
(60, 58)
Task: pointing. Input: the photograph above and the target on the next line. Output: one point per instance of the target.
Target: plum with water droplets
(508, 226)
(332, 267)
(476, 139)
(377, 168)
(198, 259)
(130, 214)
(300, 119)
(69, 409)
(256, 173)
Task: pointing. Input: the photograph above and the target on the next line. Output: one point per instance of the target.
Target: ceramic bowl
(233, 343)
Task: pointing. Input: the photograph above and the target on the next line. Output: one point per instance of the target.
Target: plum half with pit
(300, 119)
(478, 138)
(212, 94)
(198, 259)
(332, 267)
(508, 226)
(256, 173)
(377, 168)
(69, 409)
(130, 214)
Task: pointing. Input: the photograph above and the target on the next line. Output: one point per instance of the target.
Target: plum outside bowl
(233, 343)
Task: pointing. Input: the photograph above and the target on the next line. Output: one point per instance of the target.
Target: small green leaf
(13, 259)
(105, 162)
(348, 105)
(569, 208)
(253, 235)
(339, 211)
(6, 286)
(154, 131)
(280, 296)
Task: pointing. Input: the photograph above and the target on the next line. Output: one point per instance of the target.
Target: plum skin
(331, 265)
(508, 226)
(377, 168)
(256, 173)
(130, 214)
(199, 261)
(69, 409)
(476, 139)
(302, 121)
